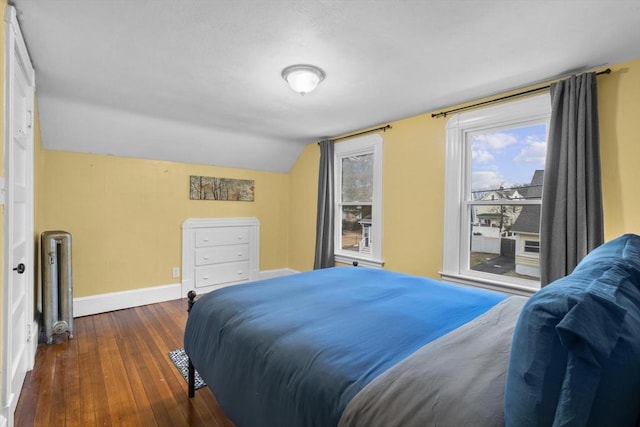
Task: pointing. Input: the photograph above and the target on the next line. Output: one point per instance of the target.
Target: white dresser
(218, 252)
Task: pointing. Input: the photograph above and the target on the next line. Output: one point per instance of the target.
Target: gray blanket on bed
(456, 380)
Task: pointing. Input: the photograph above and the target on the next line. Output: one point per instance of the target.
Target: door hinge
(30, 119)
(29, 332)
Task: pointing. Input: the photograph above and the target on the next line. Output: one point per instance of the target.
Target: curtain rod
(382, 128)
(491, 101)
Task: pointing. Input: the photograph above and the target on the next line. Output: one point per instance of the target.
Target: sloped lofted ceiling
(199, 81)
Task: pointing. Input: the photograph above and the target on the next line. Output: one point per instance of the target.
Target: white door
(18, 293)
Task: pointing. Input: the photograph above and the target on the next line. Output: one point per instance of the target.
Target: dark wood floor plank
(31, 388)
(87, 370)
(161, 340)
(95, 375)
(199, 407)
(45, 393)
(143, 391)
(116, 372)
(60, 379)
(71, 383)
(112, 392)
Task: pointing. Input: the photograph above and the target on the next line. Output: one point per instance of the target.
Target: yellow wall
(414, 180)
(619, 109)
(303, 181)
(413, 196)
(125, 216)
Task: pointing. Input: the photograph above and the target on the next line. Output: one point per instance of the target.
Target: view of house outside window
(357, 197)
(495, 160)
(504, 199)
(358, 201)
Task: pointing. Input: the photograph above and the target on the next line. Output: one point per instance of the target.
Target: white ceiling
(199, 81)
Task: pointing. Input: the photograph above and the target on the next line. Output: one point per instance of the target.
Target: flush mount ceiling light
(303, 78)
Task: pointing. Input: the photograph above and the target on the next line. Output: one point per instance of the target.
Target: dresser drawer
(217, 254)
(222, 273)
(221, 236)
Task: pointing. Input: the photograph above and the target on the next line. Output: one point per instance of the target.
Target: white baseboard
(32, 344)
(102, 303)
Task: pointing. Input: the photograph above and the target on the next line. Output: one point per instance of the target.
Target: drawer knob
(205, 240)
(239, 273)
(239, 237)
(239, 253)
(206, 277)
(206, 257)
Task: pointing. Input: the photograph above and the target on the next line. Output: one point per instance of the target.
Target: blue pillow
(625, 251)
(575, 357)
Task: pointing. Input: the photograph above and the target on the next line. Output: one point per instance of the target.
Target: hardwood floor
(116, 372)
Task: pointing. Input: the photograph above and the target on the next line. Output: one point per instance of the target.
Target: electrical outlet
(176, 272)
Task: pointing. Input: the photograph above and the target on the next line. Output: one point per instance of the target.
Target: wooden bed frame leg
(191, 372)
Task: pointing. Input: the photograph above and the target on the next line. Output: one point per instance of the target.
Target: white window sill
(494, 285)
(367, 262)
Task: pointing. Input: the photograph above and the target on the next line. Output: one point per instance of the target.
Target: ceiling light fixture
(303, 78)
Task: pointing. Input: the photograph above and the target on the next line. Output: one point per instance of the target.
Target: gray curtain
(571, 220)
(325, 219)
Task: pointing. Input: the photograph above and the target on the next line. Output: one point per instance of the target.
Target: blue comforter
(293, 351)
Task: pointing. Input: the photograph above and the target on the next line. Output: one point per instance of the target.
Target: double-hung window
(358, 184)
(493, 194)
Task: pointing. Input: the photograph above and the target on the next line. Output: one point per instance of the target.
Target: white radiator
(57, 284)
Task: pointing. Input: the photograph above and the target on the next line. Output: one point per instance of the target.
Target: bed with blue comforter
(358, 347)
(296, 350)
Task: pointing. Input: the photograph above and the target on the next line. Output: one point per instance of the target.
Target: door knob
(20, 268)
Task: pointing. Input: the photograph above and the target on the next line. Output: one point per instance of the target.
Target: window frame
(457, 234)
(369, 144)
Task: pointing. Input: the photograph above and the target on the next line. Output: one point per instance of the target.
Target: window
(358, 184)
(493, 194)
(532, 246)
